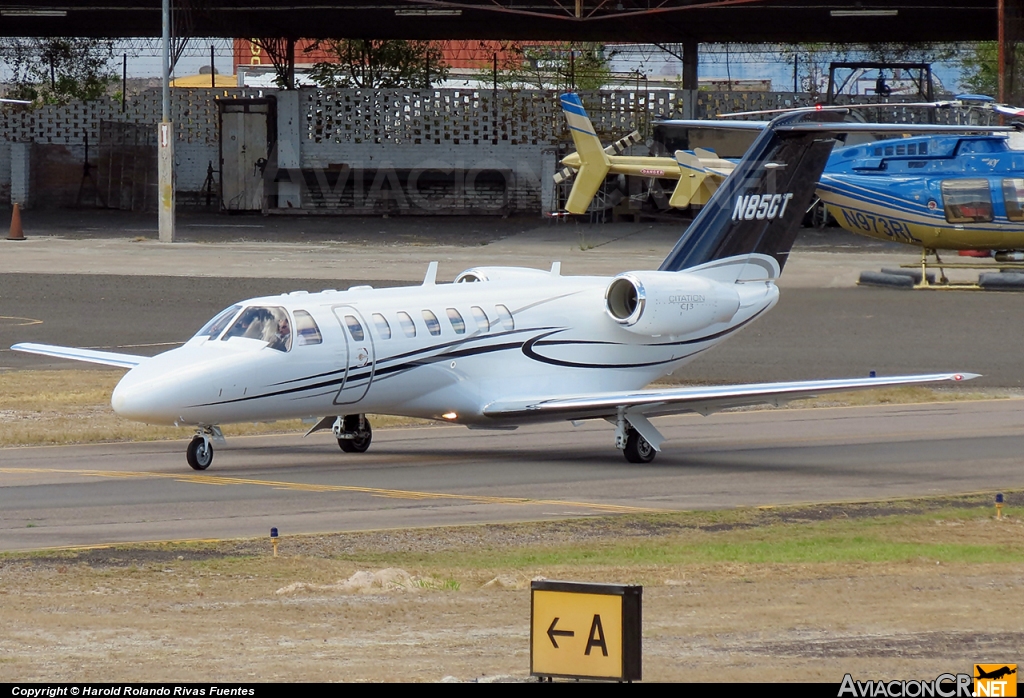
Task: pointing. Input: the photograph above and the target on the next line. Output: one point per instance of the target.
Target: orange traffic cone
(16, 231)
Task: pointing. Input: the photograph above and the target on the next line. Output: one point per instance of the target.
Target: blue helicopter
(960, 187)
(936, 192)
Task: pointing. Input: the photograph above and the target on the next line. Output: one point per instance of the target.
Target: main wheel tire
(638, 449)
(360, 443)
(199, 453)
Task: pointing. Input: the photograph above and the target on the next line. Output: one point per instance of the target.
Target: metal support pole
(124, 79)
(213, 69)
(165, 138)
(1001, 53)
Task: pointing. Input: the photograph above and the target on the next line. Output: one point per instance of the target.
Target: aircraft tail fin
(759, 207)
(594, 162)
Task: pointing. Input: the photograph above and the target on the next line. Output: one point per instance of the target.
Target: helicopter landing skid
(943, 282)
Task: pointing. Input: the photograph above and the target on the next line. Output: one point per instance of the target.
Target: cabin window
(354, 328)
(506, 317)
(967, 200)
(383, 328)
(888, 150)
(306, 329)
(407, 324)
(1013, 196)
(901, 150)
(219, 323)
(922, 148)
(878, 152)
(458, 324)
(433, 326)
(911, 148)
(482, 322)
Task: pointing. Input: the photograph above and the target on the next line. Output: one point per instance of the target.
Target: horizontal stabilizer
(702, 399)
(107, 358)
(691, 176)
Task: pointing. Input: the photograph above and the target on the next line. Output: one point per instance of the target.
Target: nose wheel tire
(360, 442)
(638, 450)
(199, 453)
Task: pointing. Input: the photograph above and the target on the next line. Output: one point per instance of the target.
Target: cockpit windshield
(220, 321)
(269, 324)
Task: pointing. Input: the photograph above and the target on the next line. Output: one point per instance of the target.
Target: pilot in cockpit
(283, 338)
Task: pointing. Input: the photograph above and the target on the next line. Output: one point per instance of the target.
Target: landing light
(449, 416)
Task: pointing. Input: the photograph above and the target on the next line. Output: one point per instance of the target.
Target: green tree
(561, 66)
(979, 68)
(379, 64)
(57, 70)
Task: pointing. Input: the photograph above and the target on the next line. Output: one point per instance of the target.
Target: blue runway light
(999, 498)
(273, 532)
(871, 375)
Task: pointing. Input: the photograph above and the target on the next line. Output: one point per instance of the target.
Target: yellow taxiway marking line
(304, 487)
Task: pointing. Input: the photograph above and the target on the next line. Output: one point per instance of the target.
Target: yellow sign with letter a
(581, 630)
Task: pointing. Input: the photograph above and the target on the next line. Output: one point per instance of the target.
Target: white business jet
(502, 347)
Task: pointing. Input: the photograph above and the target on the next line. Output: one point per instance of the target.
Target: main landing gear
(199, 453)
(353, 433)
(636, 447)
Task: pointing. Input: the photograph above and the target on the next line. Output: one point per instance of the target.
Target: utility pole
(165, 139)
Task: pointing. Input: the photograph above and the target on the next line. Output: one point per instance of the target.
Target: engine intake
(659, 303)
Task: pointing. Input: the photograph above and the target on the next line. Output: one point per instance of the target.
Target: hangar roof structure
(583, 20)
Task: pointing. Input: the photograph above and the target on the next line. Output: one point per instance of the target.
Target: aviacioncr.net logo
(943, 686)
(995, 680)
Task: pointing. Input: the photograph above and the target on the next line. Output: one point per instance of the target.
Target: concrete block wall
(405, 131)
(5, 171)
(68, 127)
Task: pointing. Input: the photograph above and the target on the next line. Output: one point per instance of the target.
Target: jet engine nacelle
(668, 303)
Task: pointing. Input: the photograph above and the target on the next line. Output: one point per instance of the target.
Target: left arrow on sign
(552, 632)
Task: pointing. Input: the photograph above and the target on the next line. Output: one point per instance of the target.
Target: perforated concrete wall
(407, 131)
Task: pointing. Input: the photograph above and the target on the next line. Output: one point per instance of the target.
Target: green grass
(959, 529)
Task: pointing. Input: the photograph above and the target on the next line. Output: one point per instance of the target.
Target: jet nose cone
(142, 401)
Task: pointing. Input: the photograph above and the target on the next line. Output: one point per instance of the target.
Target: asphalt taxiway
(811, 333)
(429, 476)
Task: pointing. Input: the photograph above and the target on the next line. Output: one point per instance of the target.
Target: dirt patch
(453, 603)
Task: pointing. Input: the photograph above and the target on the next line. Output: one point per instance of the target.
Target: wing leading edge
(108, 358)
(703, 399)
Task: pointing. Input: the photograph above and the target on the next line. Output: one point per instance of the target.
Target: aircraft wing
(702, 399)
(108, 358)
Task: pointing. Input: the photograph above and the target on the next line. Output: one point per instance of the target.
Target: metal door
(245, 127)
(362, 360)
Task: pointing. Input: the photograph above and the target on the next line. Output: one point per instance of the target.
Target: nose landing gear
(199, 453)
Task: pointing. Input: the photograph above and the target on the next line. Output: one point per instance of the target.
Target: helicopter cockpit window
(967, 200)
(220, 321)
(1013, 196)
(266, 323)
